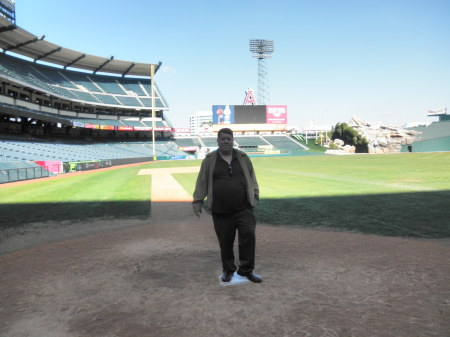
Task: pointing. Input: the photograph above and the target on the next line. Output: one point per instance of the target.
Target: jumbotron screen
(250, 117)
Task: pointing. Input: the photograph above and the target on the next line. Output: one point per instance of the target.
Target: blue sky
(378, 60)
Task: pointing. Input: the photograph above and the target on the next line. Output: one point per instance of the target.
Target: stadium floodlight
(262, 50)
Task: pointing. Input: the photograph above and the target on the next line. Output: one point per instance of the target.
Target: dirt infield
(159, 277)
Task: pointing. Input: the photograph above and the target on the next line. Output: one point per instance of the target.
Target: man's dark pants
(226, 225)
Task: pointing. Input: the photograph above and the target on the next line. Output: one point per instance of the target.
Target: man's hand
(197, 208)
(197, 212)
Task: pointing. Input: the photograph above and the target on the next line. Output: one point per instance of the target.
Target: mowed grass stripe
(347, 175)
(112, 194)
(370, 186)
(112, 185)
(365, 193)
(401, 194)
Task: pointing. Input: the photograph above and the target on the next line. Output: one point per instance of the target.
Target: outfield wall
(52, 166)
(17, 171)
(429, 145)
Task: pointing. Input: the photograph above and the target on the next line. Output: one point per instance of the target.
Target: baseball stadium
(98, 236)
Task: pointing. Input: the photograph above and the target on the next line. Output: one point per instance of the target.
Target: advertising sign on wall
(106, 127)
(276, 114)
(223, 114)
(142, 128)
(442, 111)
(78, 124)
(181, 130)
(253, 127)
(91, 126)
(125, 128)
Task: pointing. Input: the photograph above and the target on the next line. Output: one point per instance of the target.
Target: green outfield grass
(398, 194)
(117, 193)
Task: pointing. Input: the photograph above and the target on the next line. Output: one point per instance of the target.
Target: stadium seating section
(71, 85)
(185, 142)
(251, 141)
(11, 150)
(37, 151)
(118, 102)
(284, 143)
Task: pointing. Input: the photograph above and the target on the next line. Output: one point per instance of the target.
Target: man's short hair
(227, 131)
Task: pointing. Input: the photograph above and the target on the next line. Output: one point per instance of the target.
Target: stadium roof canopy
(19, 41)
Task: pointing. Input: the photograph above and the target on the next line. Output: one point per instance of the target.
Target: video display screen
(249, 114)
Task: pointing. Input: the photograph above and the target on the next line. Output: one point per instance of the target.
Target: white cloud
(167, 69)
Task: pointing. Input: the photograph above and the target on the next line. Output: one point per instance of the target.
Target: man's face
(225, 143)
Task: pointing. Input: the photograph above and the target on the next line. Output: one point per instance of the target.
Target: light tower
(262, 50)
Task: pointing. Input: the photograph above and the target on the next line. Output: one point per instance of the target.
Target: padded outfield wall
(432, 138)
(430, 145)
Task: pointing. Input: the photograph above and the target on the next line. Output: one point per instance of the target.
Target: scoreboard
(250, 117)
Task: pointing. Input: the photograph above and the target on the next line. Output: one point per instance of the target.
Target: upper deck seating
(21, 71)
(73, 85)
(129, 101)
(135, 87)
(54, 77)
(106, 99)
(85, 96)
(82, 79)
(158, 124)
(108, 85)
(148, 102)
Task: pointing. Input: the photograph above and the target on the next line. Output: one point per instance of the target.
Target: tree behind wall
(350, 137)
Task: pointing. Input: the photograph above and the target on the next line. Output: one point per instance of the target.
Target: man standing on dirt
(228, 181)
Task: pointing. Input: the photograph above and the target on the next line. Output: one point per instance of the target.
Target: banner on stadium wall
(223, 114)
(188, 148)
(252, 127)
(276, 114)
(125, 128)
(163, 128)
(51, 165)
(85, 165)
(106, 127)
(78, 124)
(181, 130)
(142, 128)
(91, 126)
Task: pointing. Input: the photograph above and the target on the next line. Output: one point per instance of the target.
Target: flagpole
(152, 80)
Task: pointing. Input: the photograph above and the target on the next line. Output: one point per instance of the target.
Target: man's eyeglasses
(230, 170)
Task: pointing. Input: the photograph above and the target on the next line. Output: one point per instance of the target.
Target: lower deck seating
(37, 151)
(284, 143)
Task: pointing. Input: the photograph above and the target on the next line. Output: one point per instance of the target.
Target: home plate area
(236, 279)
